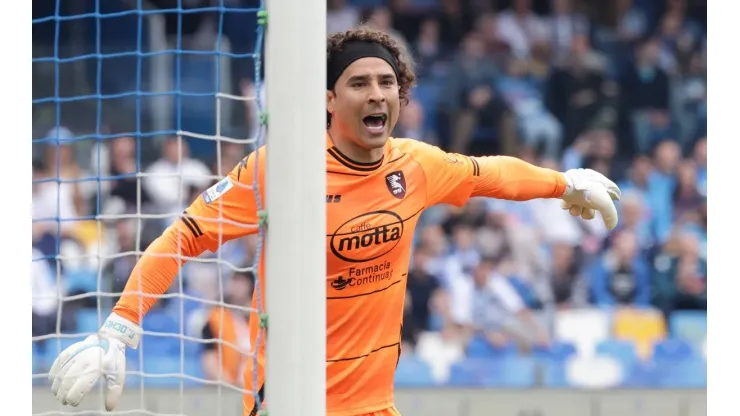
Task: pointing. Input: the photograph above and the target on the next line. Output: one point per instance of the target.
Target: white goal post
(295, 59)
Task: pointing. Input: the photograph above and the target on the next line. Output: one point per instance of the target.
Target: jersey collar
(336, 161)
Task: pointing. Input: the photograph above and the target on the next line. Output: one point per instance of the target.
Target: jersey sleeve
(454, 178)
(449, 175)
(226, 211)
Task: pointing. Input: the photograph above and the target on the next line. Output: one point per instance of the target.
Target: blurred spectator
(686, 197)
(488, 304)
(411, 328)
(340, 16)
(49, 202)
(66, 155)
(471, 100)
(496, 47)
(678, 36)
(632, 23)
(430, 52)
(411, 124)
(576, 91)
(645, 97)
(46, 296)
(118, 269)
(554, 224)
(424, 290)
(522, 29)
(228, 328)
(509, 233)
(680, 275)
(602, 155)
(454, 21)
(381, 18)
(620, 28)
(537, 126)
(574, 155)
(700, 158)
(633, 216)
(662, 185)
(171, 180)
(463, 247)
(125, 188)
(60, 165)
(567, 286)
(565, 23)
(433, 239)
(621, 275)
(637, 176)
(688, 97)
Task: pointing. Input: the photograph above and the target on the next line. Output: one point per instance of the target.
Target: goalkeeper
(377, 186)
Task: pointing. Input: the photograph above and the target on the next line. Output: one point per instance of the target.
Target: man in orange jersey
(377, 187)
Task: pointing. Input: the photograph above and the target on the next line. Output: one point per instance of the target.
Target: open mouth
(375, 123)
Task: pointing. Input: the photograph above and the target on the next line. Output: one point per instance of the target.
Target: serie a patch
(217, 191)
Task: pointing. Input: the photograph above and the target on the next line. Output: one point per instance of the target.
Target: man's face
(365, 104)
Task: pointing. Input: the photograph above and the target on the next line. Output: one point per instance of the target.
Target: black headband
(352, 51)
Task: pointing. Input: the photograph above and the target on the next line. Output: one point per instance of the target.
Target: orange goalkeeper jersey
(372, 211)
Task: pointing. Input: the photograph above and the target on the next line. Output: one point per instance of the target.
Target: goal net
(140, 106)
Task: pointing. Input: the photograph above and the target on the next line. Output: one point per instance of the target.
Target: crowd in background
(618, 86)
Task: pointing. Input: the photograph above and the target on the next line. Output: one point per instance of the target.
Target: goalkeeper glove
(79, 367)
(589, 191)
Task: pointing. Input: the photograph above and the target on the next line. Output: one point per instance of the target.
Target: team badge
(396, 184)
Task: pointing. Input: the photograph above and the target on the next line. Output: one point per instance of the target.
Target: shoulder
(424, 153)
(253, 162)
(413, 147)
(257, 156)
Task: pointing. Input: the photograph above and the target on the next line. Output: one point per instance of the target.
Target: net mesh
(138, 107)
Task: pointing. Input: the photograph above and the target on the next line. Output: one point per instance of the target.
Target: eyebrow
(384, 76)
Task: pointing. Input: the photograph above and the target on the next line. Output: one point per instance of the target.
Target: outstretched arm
(505, 177)
(454, 178)
(224, 212)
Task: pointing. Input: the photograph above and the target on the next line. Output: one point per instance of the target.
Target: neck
(352, 150)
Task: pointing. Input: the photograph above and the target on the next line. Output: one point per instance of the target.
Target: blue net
(137, 107)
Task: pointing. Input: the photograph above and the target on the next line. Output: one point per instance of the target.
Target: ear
(330, 98)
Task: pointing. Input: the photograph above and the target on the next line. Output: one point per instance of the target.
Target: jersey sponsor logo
(396, 183)
(367, 237)
(359, 276)
(216, 191)
(340, 283)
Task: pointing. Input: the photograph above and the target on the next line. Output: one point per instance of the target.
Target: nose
(375, 94)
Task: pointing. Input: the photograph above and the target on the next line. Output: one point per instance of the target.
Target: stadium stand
(566, 84)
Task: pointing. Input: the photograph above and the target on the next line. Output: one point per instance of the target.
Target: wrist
(122, 329)
(568, 183)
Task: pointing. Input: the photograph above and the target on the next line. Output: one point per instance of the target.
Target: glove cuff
(569, 184)
(121, 329)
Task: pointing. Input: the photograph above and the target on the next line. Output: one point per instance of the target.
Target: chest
(372, 217)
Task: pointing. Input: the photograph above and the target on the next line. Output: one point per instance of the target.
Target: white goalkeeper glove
(589, 191)
(78, 368)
